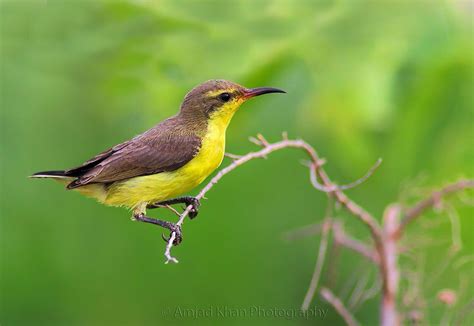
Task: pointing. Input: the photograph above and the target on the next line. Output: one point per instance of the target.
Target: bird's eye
(224, 97)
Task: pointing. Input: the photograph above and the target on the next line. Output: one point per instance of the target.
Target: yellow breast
(138, 191)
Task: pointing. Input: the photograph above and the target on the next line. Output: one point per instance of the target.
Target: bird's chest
(210, 154)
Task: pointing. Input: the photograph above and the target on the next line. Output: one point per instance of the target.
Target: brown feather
(166, 147)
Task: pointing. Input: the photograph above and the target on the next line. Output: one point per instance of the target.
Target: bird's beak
(251, 92)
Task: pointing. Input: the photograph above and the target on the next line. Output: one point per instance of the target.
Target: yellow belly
(137, 192)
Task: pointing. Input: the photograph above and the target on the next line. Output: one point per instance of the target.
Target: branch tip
(433, 200)
(339, 306)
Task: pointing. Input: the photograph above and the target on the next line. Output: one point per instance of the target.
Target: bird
(154, 168)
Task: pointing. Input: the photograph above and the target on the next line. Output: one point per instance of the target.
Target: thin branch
(344, 239)
(363, 178)
(389, 267)
(418, 209)
(463, 260)
(351, 206)
(338, 306)
(341, 237)
(262, 140)
(386, 237)
(357, 211)
(168, 256)
(314, 179)
(255, 141)
(351, 279)
(232, 156)
(332, 272)
(303, 232)
(313, 168)
(268, 148)
(455, 227)
(372, 291)
(358, 291)
(313, 285)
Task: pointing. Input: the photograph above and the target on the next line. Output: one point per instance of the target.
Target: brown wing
(163, 148)
(88, 165)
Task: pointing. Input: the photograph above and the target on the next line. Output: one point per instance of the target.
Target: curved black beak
(257, 91)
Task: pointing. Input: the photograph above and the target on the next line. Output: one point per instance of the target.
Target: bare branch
(385, 249)
(341, 237)
(351, 281)
(332, 272)
(363, 216)
(168, 256)
(357, 211)
(463, 260)
(371, 292)
(262, 140)
(303, 232)
(338, 306)
(363, 178)
(415, 211)
(389, 267)
(313, 168)
(232, 156)
(352, 207)
(314, 180)
(358, 291)
(255, 141)
(455, 227)
(344, 239)
(313, 285)
(268, 148)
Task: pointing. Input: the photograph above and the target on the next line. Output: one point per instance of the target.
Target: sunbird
(166, 161)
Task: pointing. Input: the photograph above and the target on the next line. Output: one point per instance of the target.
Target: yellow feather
(136, 192)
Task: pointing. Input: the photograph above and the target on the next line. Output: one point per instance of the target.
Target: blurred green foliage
(365, 79)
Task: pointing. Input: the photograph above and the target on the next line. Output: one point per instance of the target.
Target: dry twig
(338, 306)
(268, 148)
(344, 239)
(386, 237)
(341, 237)
(313, 285)
(418, 209)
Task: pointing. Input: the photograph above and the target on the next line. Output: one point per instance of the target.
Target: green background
(365, 79)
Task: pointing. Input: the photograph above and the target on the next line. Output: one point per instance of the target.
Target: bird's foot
(178, 235)
(195, 203)
(174, 228)
(187, 200)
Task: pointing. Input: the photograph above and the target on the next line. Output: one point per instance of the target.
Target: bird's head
(219, 99)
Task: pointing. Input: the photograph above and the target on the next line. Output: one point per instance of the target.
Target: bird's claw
(195, 207)
(176, 229)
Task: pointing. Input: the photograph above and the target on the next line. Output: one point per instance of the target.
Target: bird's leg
(164, 224)
(188, 200)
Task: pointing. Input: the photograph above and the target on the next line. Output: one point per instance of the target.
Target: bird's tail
(58, 174)
(95, 190)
